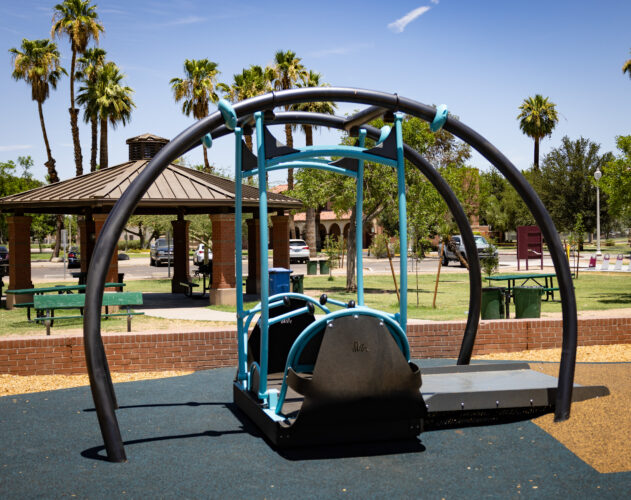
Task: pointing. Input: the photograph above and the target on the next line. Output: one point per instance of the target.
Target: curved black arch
(102, 390)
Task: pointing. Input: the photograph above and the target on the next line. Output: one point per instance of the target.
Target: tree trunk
(290, 143)
(310, 231)
(309, 135)
(95, 132)
(248, 141)
(50, 163)
(351, 255)
(317, 229)
(207, 168)
(103, 145)
(74, 127)
(59, 224)
(536, 163)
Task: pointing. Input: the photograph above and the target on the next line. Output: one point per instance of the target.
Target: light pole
(597, 175)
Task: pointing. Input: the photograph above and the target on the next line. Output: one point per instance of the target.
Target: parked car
(198, 258)
(74, 259)
(4, 255)
(480, 242)
(298, 251)
(123, 256)
(160, 252)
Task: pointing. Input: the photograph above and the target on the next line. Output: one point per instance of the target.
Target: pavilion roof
(176, 189)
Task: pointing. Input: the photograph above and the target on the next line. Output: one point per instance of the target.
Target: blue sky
(480, 58)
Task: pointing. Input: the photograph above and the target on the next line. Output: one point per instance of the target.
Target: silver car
(483, 246)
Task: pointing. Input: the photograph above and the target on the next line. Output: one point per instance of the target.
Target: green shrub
(130, 245)
(610, 243)
(378, 246)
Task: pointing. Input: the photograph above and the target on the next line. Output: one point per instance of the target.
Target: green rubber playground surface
(185, 439)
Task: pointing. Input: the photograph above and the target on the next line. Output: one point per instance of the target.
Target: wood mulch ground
(599, 430)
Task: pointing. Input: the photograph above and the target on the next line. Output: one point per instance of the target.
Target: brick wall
(40, 355)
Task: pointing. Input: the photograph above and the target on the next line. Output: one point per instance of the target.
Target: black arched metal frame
(98, 371)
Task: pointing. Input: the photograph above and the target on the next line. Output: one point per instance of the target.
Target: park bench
(60, 289)
(50, 303)
(189, 285)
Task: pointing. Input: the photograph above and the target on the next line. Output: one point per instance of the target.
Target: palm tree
(89, 65)
(538, 118)
(197, 89)
(249, 83)
(312, 79)
(287, 72)
(626, 67)
(37, 63)
(79, 21)
(112, 102)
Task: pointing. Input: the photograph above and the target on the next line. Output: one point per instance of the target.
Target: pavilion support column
(223, 289)
(86, 241)
(112, 272)
(181, 270)
(280, 240)
(19, 258)
(253, 283)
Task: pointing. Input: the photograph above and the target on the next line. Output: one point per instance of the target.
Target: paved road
(138, 268)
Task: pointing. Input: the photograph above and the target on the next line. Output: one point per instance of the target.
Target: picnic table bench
(60, 289)
(50, 303)
(544, 281)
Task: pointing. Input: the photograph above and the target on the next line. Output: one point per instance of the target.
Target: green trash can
(324, 266)
(312, 267)
(527, 301)
(492, 303)
(297, 283)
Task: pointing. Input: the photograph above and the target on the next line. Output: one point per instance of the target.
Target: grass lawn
(594, 291)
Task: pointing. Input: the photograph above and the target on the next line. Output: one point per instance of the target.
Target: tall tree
(616, 179)
(312, 79)
(37, 63)
(78, 20)
(287, 72)
(89, 66)
(626, 67)
(197, 89)
(537, 119)
(249, 83)
(566, 183)
(112, 101)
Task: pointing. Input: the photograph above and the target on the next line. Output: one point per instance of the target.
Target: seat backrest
(359, 369)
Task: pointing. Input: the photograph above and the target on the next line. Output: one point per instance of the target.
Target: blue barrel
(278, 280)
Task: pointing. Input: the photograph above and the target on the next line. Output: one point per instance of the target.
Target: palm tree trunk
(248, 141)
(536, 162)
(207, 168)
(308, 135)
(103, 145)
(310, 231)
(74, 113)
(95, 132)
(290, 143)
(50, 164)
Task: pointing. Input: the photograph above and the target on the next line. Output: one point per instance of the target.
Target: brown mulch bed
(599, 430)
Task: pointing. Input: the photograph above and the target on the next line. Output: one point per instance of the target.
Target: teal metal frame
(308, 157)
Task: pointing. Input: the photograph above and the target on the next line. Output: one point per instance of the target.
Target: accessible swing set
(346, 375)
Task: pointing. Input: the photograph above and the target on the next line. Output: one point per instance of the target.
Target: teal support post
(241, 335)
(403, 218)
(260, 150)
(359, 232)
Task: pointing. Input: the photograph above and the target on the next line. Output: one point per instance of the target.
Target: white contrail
(399, 25)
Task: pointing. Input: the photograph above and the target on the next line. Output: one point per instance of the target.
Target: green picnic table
(60, 289)
(544, 281)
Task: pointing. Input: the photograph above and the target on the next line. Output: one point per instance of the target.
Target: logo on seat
(359, 347)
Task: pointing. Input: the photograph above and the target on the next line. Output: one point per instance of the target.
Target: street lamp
(597, 175)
